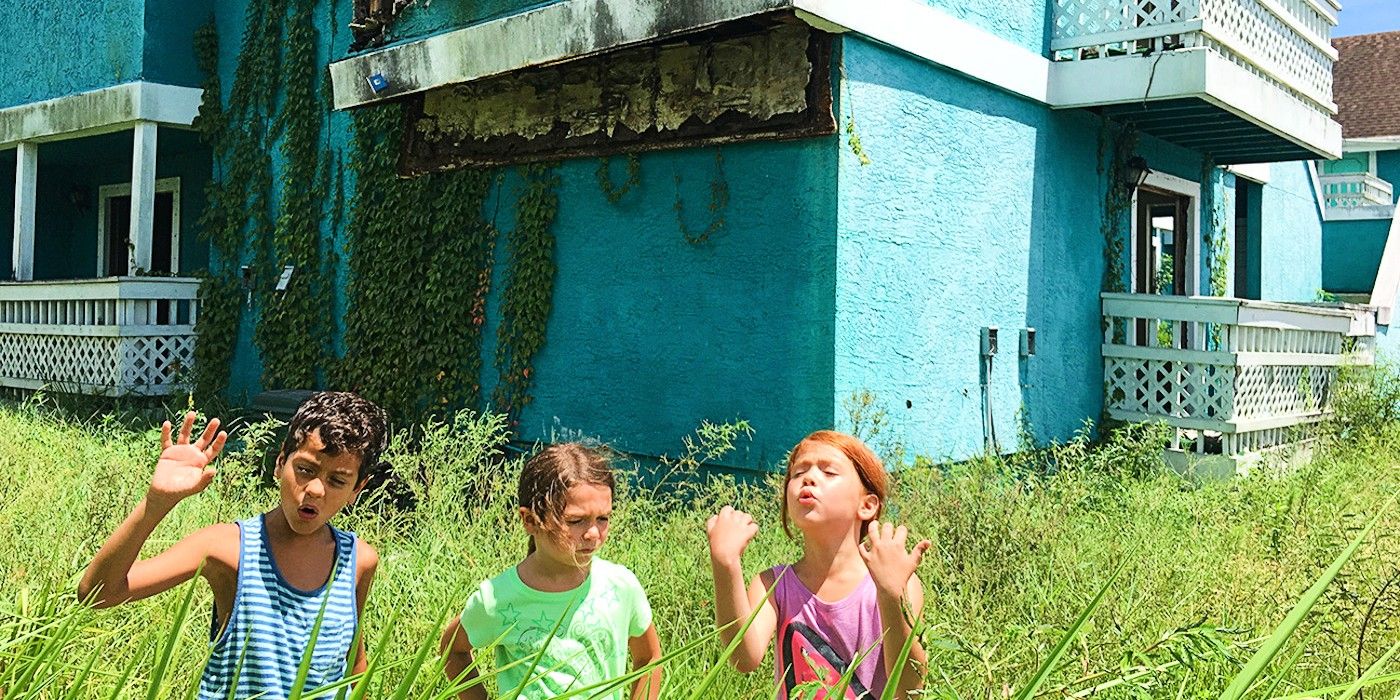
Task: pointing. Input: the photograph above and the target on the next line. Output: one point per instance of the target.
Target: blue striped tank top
(260, 648)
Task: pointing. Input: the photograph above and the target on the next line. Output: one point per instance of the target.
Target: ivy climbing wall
(625, 298)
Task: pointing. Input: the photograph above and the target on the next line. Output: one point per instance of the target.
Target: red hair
(868, 467)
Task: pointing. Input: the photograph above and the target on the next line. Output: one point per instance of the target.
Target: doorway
(1160, 242)
(114, 230)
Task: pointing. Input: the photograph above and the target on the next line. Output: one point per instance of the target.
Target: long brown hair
(547, 477)
(868, 467)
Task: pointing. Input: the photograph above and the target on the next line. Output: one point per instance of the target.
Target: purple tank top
(817, 640)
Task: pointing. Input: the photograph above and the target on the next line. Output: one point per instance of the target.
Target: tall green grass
(1022, 598)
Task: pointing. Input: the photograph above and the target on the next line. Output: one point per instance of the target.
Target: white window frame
(1192, 190)
(123, 189)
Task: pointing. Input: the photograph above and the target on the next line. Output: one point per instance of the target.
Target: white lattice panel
(110, 336)
(1254, 37)
(1170, 389)
(60, 359)
(1082, 18)
(1230, 375)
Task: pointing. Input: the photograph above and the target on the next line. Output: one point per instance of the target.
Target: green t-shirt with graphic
(595, 621)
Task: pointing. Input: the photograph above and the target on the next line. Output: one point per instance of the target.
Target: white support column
(26, 179)
(143, 196)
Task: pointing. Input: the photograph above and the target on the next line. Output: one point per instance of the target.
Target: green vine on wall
(421, 252)
(292, 329)
(615, 193)
(529, 288)
(220, 297)
(413, 329)
(237, 218)
(719, 201)
(1218, 241)
(1116, 145)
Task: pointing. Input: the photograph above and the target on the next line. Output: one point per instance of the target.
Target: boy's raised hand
(730, 532)
(890, 564)
(183, 468)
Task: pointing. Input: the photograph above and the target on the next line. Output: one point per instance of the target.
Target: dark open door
(118, 235)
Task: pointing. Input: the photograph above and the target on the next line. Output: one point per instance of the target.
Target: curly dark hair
(345, 422)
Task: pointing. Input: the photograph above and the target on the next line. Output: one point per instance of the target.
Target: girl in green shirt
(596, 610)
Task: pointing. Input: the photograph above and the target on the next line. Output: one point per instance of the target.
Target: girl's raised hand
(183, 468)
(730, 532)
(890, 564)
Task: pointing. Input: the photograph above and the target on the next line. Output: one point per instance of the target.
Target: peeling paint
(713, 86)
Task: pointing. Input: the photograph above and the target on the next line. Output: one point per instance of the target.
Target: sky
(1367, 17)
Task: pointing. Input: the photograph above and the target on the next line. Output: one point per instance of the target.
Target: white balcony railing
(1356, 190)
(1234, 377)
(1286, 43)
(114, 336)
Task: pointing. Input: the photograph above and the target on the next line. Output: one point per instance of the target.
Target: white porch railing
(1356, 190)
(114, 336)
(1286, 42)
(1234, 377)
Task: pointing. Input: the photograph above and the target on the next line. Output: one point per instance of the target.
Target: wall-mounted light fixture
(1134, 173)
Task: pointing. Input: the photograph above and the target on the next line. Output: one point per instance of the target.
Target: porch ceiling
(1199, 125)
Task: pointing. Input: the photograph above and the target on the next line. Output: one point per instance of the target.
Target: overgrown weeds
(1021, 546)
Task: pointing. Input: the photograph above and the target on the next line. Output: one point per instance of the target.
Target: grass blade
(1257, 663)
(171, 639)
(1051, 662)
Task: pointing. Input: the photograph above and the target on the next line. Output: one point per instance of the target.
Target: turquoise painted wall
(1388, 166)
(649, 334)
(976, 209)
(1291, 235)
(168, 54)
(1026, 23)
(102, 40)
(105, 42)
(1252, 259)
(1352, 254)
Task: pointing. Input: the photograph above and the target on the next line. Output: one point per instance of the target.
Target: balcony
(1245, 81)
(1348, 190)
(1236, 379)
(119, 336)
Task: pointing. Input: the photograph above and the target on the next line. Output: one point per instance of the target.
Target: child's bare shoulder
(366, 558)
(221, 544)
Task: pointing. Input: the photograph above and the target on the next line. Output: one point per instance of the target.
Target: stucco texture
(976, 209)
(650, 334)
(1290, 236)
(62, 48)
(1026, 23)
(1352, 255)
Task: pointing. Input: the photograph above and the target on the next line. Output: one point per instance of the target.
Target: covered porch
(99, 298)
(1236, 379)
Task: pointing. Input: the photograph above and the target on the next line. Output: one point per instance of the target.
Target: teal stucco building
(999, 220)
(1359, 195)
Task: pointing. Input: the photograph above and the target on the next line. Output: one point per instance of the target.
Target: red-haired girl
(844, 597)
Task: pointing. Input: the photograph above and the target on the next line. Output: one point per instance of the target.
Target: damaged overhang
(99, 111)
(572, 29)
(744, 81)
